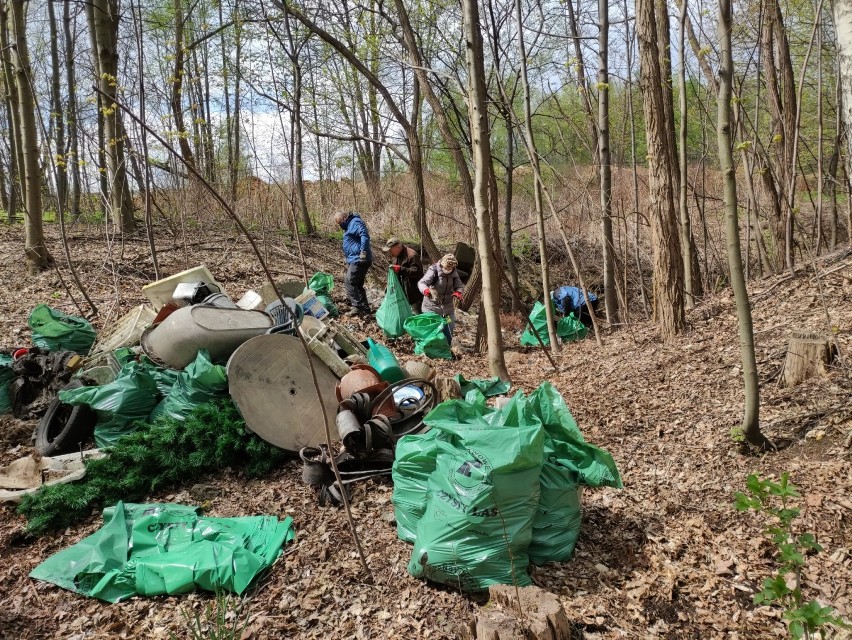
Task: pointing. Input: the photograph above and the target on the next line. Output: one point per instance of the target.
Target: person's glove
(362, 257)
(457, 295)
(426, 291)
(395, 268)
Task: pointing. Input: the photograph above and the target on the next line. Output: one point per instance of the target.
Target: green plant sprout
(763, 496)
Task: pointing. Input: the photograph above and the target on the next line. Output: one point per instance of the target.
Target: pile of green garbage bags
(155, 549)
(487, 491)
(142, 392)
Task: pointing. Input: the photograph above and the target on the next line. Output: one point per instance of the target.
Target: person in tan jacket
(441, 287)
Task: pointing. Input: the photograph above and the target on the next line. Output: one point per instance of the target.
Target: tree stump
(448, 388)
(808, 355)
(522, 613)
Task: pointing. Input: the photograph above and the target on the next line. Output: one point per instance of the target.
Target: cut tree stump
(519, 613)
(448, 388)
(808, 355)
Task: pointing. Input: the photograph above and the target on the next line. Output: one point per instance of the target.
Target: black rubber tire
(64, 427)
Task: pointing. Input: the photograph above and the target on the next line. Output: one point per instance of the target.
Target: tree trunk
(533, 156)
(480, 136)
(105, 14)
(176, 101)
(296, 124)
(751, 417)
(73, 156)
(842, 10)
(610, 296)
(506, 239)
(13, 117)
(35, 249)
(103, 179)
(685, 225)
(57, 118)
(525, 613)
(668, 264)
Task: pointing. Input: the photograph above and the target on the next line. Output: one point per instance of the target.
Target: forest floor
(666, 557)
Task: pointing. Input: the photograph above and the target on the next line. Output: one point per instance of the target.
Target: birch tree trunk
(38, 258)
(751, 417)
(477, 94)
(842, 10)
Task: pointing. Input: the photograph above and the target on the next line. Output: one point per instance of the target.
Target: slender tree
(751, 418)
(480, 135)
(604, 160)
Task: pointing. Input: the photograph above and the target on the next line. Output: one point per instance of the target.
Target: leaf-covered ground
(666, 557)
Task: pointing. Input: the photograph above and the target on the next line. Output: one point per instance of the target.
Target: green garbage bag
(569, 463)
(155, 549)
(198, 383)
(427, 329)
(482, 497)
(538, 318)
(164, 378)
(321, 284)
(571, 329)
(414, 461)
(57, 331)
(490, 387)
(118, 405)
(6, 376)
(394, 310)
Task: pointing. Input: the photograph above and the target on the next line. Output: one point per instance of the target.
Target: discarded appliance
(187, 293)
(176, 341)
(25, 476)
(160, 292)
(124, 332)
(270, 382)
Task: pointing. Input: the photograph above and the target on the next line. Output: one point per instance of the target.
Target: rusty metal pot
(361, 377)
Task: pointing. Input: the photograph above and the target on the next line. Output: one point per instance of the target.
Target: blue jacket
(356, 239)
(567, 299)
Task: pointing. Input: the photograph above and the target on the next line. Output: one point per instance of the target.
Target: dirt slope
(667, 557)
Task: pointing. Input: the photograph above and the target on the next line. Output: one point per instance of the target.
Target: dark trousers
(353, 283)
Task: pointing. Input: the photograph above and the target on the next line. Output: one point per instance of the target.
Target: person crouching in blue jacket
(359, 257)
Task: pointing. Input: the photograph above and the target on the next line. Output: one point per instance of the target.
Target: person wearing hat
(359, 257)
(440, 285)
(408, 266)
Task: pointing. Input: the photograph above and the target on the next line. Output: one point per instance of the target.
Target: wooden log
(808, 355)
(515, 613)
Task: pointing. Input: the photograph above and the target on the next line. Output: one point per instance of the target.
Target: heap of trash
(481, 488)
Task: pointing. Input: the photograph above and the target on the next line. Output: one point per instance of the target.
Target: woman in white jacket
(439, 285)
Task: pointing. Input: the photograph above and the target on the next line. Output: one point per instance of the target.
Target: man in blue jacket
(359, 257)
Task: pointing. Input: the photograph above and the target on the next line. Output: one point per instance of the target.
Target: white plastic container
(161, 291)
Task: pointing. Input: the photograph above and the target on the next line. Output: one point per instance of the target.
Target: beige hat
(392, 242)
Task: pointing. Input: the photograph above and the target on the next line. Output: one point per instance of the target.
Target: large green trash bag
(321, 284)
(427, 329)
(538, 319)
(482, 497)
(155, 549)
(489, 387)
(569, 462)
(6, 376)
(198, 383)
(395, 309)
(571, 329)
(119, 404)
(57, 331)
(414, 461)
